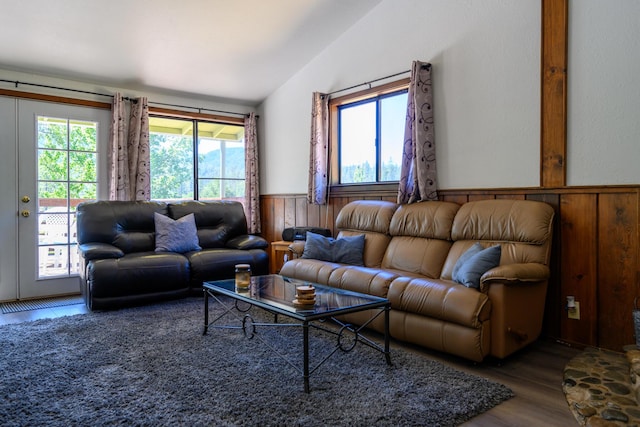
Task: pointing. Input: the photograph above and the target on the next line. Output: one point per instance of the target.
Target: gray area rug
(151, 366)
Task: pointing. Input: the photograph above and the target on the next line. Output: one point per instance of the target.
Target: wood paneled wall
(595, 254)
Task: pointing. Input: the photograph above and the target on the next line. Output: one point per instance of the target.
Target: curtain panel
(319, 152)
(118, 155)
(418, 168)
(139, 154)
(129, 157)
(252, 182)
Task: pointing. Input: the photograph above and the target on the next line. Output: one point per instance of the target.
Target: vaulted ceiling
(238, 50)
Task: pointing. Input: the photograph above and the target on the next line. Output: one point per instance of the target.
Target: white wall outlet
(574, 313)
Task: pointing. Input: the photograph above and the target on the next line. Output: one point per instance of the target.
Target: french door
(61, 151)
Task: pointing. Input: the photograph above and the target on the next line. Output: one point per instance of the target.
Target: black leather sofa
(120, 267)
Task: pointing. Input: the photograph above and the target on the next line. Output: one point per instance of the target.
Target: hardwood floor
(534, 374)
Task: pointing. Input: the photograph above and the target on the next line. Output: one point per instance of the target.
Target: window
(368, 133)
(210, 166)
(66, 173)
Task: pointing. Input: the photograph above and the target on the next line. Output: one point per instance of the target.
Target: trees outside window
(368, 133)
(209, 165)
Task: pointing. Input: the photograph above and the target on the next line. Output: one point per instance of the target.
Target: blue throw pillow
(475, 266)
(346, 250)
(477, 247)
(176, 235)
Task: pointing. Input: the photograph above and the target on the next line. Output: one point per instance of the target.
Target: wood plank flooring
(534, 374)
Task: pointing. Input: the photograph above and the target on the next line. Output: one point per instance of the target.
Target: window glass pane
(52, 133)
(358, 143)
(53, 227)
(82, 136)
(221, 157)
(219, 153)
(209, 189)
(171, 157)
(392, 121)
(81, 192)
(234, 189)
(82, 166)
(209, 158)
(52, 194)
(52, 165)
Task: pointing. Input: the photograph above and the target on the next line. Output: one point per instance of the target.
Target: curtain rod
(200, 109)
(369, 83)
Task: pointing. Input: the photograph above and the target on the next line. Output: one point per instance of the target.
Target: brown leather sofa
(409, 255)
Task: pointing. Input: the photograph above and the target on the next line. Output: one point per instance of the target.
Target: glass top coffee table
(276, 294)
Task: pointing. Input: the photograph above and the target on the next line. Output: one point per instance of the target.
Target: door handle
(26, 199)
(25, 213)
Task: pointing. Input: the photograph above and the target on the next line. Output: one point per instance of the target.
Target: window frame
(334, 129)
(195, 118)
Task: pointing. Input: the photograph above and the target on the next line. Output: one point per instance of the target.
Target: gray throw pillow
(346, 250)
(474, 249)
(473, 268)
(176, 235)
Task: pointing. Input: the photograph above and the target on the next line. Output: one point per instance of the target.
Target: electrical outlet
(574, 313)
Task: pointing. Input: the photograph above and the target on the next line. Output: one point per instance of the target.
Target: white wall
(486, 57)
(603, 135)
(486, 76)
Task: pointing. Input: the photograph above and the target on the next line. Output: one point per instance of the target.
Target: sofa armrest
(246, 242)
(297, 247)
(91, 251)
(512, 273)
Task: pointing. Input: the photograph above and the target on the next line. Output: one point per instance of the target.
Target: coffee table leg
(305, 339)
(206, 312)
(387, 353)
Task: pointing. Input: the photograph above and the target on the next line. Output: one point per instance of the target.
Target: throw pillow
(474, 249)
(346, 250)
(473, 268)
(179, 235)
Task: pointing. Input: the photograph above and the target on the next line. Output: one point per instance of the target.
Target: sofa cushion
(421, 238)
(219, 264)
(522, 227)
(311, 270)
(178, 235)
(440, 299)
(217, 220)
(365, 280)
(138, 273)
(371, 218)
(416, 256)
(127, 225)
(473, 264)
(430, 220)
(345, 250)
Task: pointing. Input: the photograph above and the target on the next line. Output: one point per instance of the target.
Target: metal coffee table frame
(347, 336)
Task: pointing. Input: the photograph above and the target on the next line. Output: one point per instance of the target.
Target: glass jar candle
(243, 276)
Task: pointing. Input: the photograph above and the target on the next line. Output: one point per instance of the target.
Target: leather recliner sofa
(409, 255)
(119, 265)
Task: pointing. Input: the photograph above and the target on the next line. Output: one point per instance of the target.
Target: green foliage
(58, 164)
(172, 169)
(171, 159)
(364, 173)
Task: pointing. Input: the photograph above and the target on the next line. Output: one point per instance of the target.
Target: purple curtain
(418, 168)
(129, 176)
(319, 153)
(252, 182)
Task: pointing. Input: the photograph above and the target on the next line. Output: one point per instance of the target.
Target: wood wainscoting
(595, 254)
